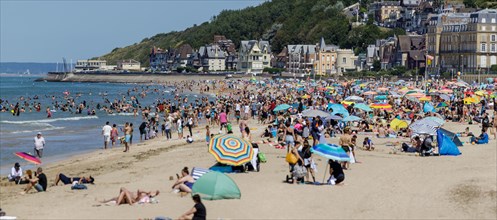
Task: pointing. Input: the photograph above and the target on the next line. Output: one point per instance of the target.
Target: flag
(429, 59)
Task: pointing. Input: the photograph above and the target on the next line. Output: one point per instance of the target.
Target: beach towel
(78, 186)
(198, 172)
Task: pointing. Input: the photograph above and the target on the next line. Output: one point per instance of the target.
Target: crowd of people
(281, 107)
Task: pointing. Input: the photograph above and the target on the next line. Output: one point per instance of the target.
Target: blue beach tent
(446, 146)
(452, 136)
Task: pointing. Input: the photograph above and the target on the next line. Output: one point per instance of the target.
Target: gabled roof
(247, 45)
(184, 50)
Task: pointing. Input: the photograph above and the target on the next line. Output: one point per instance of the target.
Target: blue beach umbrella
(351, 118)
(363, 107)
(330, 151)
(339, 109)
(381, 97)
(282, 107)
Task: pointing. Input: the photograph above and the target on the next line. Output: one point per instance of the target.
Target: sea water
(65, 133)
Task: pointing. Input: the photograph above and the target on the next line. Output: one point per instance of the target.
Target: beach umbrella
(445, 97)
(351, 118)
(435, 119)
(397, 124)
(383, 89)
(423, 129)
(363, 107)
(281, 107)
(215, 185)
(330, 151)
(425, 122)
(442, 104)
(381, 97)
(469, 100)
(354, 99)
(28, 157)
(231, 150)
(335, 117)
(416, 95)
(306, 96)
(425, 98)
(381, 106)
(315, 113)
(370, 93)
(347, 103)
(446, 91)
(480, 93)
(339, 109)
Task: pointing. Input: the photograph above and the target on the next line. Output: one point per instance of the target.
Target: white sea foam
(34, 131)
(50, 120)
(122, 113)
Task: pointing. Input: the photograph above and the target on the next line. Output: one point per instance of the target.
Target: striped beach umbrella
(419, 128)
(381, 106)
(231, 150)
(330, 151)
(28, 157)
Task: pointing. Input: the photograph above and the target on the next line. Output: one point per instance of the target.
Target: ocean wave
(51, 120)
(122, 113)
(34, 131)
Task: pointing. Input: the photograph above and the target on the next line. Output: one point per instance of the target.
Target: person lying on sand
(185, 183)
(128, 197)
(68, 180)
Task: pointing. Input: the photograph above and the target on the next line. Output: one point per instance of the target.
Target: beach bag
(78, 186)
(262, 157)
(291, 158)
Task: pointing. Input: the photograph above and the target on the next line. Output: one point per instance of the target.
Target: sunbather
(68, 180)
(128, 197)
(185, 183)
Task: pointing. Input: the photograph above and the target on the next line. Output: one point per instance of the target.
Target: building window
(493, 20)
(483, 20)
(492, 37)
(492, 48)
(483, 47)
(483, 61)
(344, 60)
(483, 28)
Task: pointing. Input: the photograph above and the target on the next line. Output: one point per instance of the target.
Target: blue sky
(46, 31)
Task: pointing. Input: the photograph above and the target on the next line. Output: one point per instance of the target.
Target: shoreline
(130, 77)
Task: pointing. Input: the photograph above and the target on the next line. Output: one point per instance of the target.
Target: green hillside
(282, 22)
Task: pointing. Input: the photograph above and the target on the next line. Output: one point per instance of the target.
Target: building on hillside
(181, 55)
(88, 65)
(387, 52)
(129, 65)
(280, 60)
(212, 58)
(386, 13)
(346, 61)
(229, 49)
(326, 58)
(463, 42)
(254, 56)
(410, 51)
(301, 58)
(158, 59)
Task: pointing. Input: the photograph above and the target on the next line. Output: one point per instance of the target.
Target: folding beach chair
(198, 172)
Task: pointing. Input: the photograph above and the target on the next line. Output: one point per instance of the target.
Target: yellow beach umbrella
(348, 102)
(425, 98)
(306, 96)
(469, 100)
(480, 93)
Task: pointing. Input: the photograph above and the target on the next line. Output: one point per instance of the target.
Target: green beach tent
(215, 185)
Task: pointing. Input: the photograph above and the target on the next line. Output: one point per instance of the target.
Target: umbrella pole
(324, 171)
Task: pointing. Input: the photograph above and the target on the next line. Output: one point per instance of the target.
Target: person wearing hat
(39, 145)
(15, 174)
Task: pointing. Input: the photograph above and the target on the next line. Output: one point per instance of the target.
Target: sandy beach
(383, 185)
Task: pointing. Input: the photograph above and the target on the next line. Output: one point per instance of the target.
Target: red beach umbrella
(28, 157)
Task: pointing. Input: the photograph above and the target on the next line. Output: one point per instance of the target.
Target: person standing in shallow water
(39, 143)
(127, 136)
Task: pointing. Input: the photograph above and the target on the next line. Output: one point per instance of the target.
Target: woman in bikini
(128, 197)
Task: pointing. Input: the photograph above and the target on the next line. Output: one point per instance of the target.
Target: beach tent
(427, 107)
(397, 124)
(453, 137)
(215, 185)
(446, 146)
